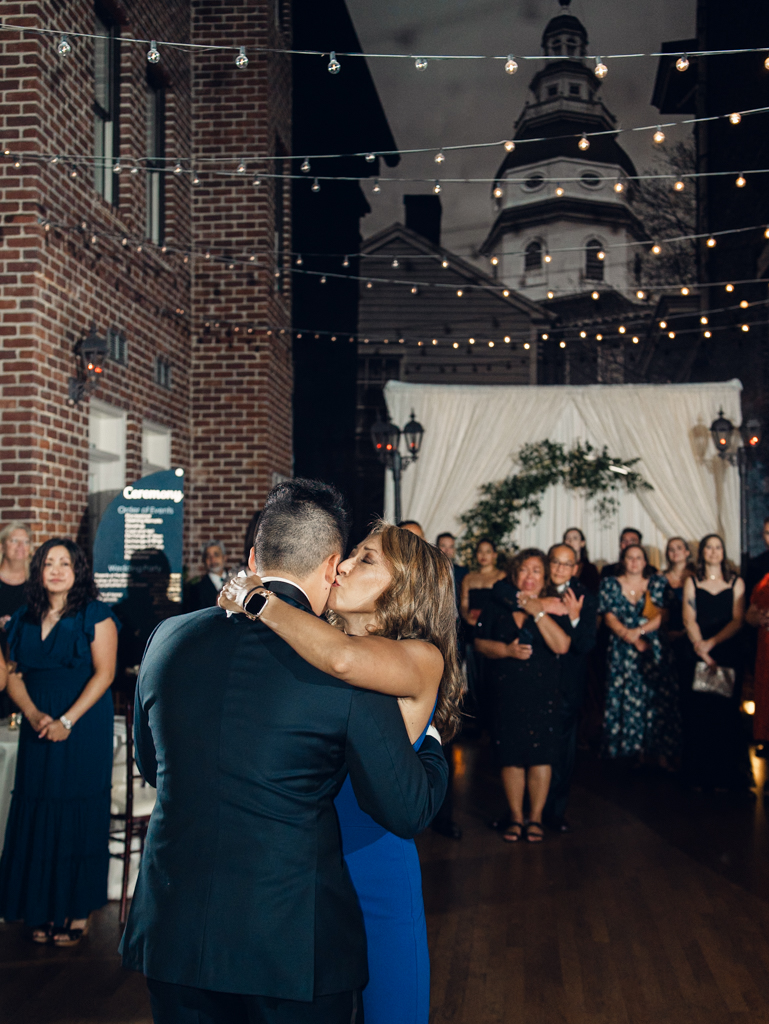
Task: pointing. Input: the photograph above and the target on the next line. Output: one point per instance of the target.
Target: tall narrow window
(156, 152)
(533, 256)
(106, 106)
(593, 266)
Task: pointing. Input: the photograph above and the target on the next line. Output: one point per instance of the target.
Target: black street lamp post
(385, 437)
(722, 431)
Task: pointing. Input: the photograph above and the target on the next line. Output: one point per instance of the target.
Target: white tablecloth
(144, 797)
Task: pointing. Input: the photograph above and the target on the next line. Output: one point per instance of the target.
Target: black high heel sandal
(510, 836)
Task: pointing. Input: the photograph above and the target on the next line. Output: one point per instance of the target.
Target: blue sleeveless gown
(388, 880)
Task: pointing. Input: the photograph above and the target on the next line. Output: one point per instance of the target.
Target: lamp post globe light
(385, 437)
(722, 431)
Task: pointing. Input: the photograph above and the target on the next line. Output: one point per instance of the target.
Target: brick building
(177, 270)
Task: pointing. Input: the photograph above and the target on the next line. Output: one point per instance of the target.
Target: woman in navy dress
(53, 871)
(394, 610)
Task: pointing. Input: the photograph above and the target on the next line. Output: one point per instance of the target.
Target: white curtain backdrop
(473, 432)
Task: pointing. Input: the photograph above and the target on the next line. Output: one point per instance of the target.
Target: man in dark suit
(204, 592)
(244, 909)
(581, 610)
(627, 538)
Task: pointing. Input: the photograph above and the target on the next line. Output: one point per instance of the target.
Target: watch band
(66, 722)
(539, 615)
(260, 592)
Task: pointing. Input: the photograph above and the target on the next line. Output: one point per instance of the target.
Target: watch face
(255, 604)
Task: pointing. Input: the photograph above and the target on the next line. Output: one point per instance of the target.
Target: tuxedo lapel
(288, 590)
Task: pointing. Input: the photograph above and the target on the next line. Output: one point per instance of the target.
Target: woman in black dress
(53, 870)
(522, 644)
(474, 595)
(586, 572)
(713, 614)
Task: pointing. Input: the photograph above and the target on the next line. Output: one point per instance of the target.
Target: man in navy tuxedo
(244, 909)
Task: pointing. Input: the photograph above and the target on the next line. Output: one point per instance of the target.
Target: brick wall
(55, 282)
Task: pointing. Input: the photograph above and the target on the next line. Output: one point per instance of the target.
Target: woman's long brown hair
(420, 604)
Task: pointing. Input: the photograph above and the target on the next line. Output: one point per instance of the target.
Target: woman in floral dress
(642, 717)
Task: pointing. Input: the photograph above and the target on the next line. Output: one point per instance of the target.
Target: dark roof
(603, 148)
(564, 22)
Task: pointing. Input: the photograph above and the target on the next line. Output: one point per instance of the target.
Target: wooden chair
(132, 799)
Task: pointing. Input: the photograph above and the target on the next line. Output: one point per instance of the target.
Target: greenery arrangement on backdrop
(597, 475)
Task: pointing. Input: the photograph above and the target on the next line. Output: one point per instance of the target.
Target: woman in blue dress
(53, 871)
(392, 603)
(642, 717)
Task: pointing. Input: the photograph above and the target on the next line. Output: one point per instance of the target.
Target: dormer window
(552, 90)
(574, 90)
(591, 180)
(532, 257)
(533, 182)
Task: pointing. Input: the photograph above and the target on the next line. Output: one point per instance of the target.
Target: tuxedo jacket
(583, 640)
(201, 594)
(242, 886)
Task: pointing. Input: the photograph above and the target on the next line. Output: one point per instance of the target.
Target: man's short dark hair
(302, 523)
(632, 529)
(408, 522)
(440, 537)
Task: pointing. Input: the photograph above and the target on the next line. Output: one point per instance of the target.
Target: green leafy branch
(583, 467)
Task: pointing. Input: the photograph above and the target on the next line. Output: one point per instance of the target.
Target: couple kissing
(295, 758)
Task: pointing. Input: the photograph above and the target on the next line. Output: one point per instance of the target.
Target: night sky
(456, 102)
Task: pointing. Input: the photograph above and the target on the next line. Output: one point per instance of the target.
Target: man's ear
(329, 568)
(252, 561)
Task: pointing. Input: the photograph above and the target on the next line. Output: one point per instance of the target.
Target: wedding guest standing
(53, 871)
(758, 616)
(474, 595)
(642, 717)
(679, 568)
(522, 644)
(714, 610)
(15, 544)
(628, 536)
(204, 593)
(585, 572)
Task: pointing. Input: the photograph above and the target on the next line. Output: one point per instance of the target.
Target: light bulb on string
(671, 334)
(711, 243)
(305, 167)
(766, 232)
(414, 290)
(551, 295)
(622, 330)
(323, 279)
(735, 118)
(601, 71)
(583, 334)
(506, 293)
(370, 158)
(377, 187)
(63, 48)
(684, 290)
(559, 190)
(548, 257)
(635, 341)
(73, 172)
(153, 54)
(55, 160)
(315, 186)
(420, 63)
(745, 328)
(195, 179)
(678, 186)
(241, 61)
(640, 295)
(601, 255)
(346, 262)
(658, 137)
(730, 287)
(333, 65)
(117, 167)
(178, 169)
(741, 182)
(682, 63)
(494, 261)
(437, 187)
(584, 143)
(509, 145)
(299, 261)
(395, 264)
(656, 249)
(369, 284)
(134, 169)
(460, 293)
(511, 65)
(444, 264)
(744, 304)
(241, 168)
(619, 187)
(255, 182)
(703, 320)
(498, 192)
(439, 157)
(707, 334)
(596, 295)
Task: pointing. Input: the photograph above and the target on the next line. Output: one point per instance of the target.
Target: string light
(730, 287)
(663, 325)
(420, 63)
(601, 71)
(178, 169)
(241, 168)
(740, 182)
(562, 344)
(548, 257)
(599, 337)
(316, 186)
(678, 186)
(622, 330)
(640, 295)
(305, 166)
(460, 293)
(333, 64)
(370, 158)
(241, 61)
(491, 344)
(455, 344)
(73, 172)
(682, 63)
(395, 264)
(584, 143)
(526, 345)
(117, 167)
(745, 328)
(671, 334)
(703, 320)
(369, 284)
(377, 187)
(735, 118)
(744, 304)
(509, 145)
(507, 339)
(658, 137)
(551, 295)
(619, 187)
(545, 337)
(684, 291)
(711, 243)
(498, 192)
(439, 158)
(601, 255)
(559, 190)
(345, 261)
(299, 261)
(635, 341)
(494, 261)
(583, 334)
(437, 187)
(64, 49)
(255, 182)
(323, 279)
(708, 334)
(471, 341)
(195, 179)
(444, 264)
(511, 65)
(766, 63)
(153, 54)
(766, 230)
(656, 249)
(506, 293)
(596, 295)
(415, 290)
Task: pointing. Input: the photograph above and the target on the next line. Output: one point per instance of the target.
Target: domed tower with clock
(562, 195)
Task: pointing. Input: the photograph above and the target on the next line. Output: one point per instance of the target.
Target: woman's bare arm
(556, 639)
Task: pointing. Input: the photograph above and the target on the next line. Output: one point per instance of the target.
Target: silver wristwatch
(66, 722)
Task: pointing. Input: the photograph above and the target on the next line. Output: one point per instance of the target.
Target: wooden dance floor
(655, 910)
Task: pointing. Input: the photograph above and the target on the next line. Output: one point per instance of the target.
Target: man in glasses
(569, 599)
